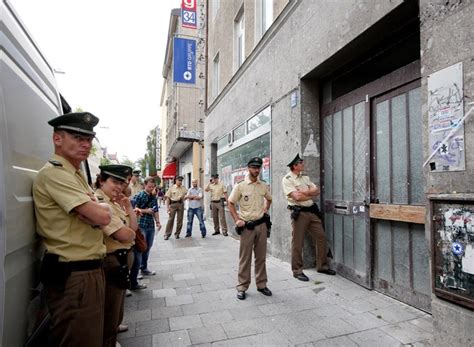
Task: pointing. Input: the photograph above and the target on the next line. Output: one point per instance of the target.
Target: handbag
(140, 242)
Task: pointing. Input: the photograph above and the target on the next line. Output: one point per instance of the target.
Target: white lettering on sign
(191, 4)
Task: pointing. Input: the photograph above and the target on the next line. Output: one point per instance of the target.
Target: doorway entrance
(373, 186)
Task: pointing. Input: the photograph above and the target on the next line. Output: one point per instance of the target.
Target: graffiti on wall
(454, 250)
(445, 112)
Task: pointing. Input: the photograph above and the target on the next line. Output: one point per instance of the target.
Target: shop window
(239, 132)
(232, 165)
(258, 120)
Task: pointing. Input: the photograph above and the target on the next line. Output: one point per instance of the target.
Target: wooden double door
(373, 187)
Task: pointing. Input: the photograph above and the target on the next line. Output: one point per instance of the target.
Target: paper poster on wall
(445, 111)
(453, 251)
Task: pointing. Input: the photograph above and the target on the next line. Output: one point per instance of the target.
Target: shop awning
(170, 171)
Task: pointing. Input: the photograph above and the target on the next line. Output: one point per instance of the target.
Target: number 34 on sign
(188, 14)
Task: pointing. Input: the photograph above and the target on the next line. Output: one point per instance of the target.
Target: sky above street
(111, 53)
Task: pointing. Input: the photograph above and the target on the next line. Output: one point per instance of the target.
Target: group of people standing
(91, 257)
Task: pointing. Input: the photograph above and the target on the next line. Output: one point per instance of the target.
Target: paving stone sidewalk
(191, 301)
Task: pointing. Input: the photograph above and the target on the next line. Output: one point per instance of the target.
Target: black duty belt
(311, 208)
(215, 201)
(176, 202)
(250, 225)
(85, 265)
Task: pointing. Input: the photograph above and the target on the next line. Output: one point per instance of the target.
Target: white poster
(445, 111)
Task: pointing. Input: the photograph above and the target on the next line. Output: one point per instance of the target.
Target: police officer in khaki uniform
(68, 219)
(218, 199)
(136, 185)
(175, 206)
(119, 238)
(300, 191)
(254, 199)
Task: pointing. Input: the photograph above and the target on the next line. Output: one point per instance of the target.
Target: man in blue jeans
(195, 208)
(147, 208)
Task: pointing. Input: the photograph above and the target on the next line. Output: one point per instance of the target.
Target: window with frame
(216, 76)
(239, 132)
(263, 17)
(239, 39)
(258, 120)
(215, 7)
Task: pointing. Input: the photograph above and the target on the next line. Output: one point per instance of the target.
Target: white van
(28, 99)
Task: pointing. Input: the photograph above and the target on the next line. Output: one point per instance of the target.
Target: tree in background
(126, 161)
(150, 156)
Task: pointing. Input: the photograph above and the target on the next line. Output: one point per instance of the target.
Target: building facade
(182, 105)
(373, 95)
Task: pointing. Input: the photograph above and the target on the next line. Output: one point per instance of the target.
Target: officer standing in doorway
(218, 199)
(69, 221)
(254, 199)
(305, 216)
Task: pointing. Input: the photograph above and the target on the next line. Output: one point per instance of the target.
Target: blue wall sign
(184, 61)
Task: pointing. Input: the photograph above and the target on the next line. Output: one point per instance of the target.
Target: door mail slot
(341, 208)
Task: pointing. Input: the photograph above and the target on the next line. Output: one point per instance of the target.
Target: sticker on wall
(457, 248)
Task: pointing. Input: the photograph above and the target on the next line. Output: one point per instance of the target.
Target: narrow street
(191, 301)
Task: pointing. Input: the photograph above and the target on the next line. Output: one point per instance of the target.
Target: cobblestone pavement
(192, 301)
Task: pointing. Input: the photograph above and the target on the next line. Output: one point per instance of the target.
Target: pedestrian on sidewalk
(254, 199)
(175, 207)
(305, 216)
(68, 216)
(136, 185)
(119, 238)
(218, 200)
(149, 223)
(195, 207)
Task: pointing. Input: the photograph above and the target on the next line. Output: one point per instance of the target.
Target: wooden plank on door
(401, 213)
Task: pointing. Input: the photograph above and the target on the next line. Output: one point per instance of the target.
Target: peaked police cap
(80, 122)
(256, 161)
(296, 160)
(122, 172)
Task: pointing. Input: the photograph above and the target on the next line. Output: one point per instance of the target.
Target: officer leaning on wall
(305, 216)
(69, 220)
(252, 223)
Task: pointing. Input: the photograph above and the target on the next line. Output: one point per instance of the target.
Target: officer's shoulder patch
(100, 198)
(55, 162)
(240, 181)
(263, 181)
(288, 177)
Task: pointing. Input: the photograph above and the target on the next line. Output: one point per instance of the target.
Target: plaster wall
(303, 36)
(446, 39)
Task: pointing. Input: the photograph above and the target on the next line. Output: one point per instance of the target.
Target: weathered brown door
(346, 189)
(373, 187)
(397, 211)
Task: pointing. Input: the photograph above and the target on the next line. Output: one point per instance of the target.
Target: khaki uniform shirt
(57, 190)
(292, 183)
(176, 193)
(119, 220)
(135, 188)
(217, 190)
(250, 197)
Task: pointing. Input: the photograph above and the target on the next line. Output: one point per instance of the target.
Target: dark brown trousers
(309, 222)
(218, 217)
(114, 302)
(253, 240)
(175, 209)
(77, 312)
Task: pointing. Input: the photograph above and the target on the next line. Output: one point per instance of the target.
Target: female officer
(119, 238)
